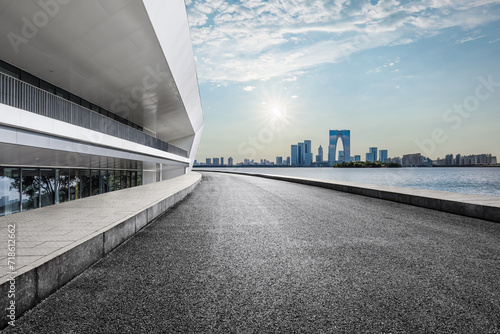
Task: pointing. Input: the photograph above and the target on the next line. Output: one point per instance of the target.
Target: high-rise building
(383, 155)
(357, 158)
(94, 96)
(208, 162)
(216, 161)
(341, 156)
(230, 162)
(369, 157)
(319, 157)
(279, 160)
(448, 160)
(373, 154)
(308, 156)
(300, 157)
(288, 161)
(335, 136)
(294, 155)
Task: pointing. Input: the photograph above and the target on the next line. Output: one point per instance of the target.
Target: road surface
(244, 254)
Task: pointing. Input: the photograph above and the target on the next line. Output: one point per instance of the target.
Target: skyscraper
(230, 162)
(294, 155)
(373, 154)
(308, 156)
(300, 156)
(335, 135)
(319, 157)
(383, 155)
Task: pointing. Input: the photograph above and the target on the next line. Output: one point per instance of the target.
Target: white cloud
(259, 40)
(468, 39)
(290, 79)
(248, 88)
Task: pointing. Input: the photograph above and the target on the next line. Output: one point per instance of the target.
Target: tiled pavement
(45, 233)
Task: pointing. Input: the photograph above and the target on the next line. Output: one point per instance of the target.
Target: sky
(406, 76)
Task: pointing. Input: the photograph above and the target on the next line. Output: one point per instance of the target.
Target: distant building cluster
(301, 155)
(466, 160)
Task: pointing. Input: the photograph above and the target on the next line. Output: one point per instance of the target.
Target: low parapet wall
(132, 209)
(476, 206)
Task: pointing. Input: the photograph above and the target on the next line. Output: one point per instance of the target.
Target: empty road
(249, 255)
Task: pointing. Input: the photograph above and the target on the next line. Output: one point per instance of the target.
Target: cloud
(468, 39)
(248, 88)
(260, 39)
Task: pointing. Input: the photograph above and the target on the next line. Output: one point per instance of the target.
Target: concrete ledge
(57, 243)
(482, 207)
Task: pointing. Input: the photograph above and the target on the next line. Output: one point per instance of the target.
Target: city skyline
(372, 153)
(412, 76)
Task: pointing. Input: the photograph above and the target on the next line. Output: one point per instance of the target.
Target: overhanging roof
(111, 53)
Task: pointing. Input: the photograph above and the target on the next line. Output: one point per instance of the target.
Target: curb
(475, 206)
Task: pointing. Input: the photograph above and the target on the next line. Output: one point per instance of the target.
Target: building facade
(319, 157)
(294, 154)
(301, 154)
(412, 160)
(335, 136)
(308, 155)
(94, 97)
(383, 155)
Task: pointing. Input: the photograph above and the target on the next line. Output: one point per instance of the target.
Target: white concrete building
(95, 96)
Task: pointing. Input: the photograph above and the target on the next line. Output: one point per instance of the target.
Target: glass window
(85, 183)
(103, 182)
(112, 179)
(139, 178)
(9, 69)
(62, 185)
(75, 99)
(48, 186)
(133, 179)
(94, 182)
(62, 93)
(30, 195)
(124, 179)
(85, 103)
(31, 79)
(10, 184)
(74, 184)
(47, 87)
(104, 112)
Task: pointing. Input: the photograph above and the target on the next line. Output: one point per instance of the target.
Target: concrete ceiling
(105, 51)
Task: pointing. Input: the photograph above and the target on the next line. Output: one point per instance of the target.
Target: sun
(277, 112)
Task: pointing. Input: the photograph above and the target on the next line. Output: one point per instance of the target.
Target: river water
(466, 180)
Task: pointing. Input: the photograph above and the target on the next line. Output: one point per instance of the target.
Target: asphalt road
(251, 255)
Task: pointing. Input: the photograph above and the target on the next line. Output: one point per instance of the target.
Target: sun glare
(277, 112)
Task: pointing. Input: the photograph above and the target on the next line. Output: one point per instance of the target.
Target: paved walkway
(252, 255)
(45, 233)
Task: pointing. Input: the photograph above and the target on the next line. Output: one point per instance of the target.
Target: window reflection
(24, 189)
(9, 190)
(94, 182)
(30, 189)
